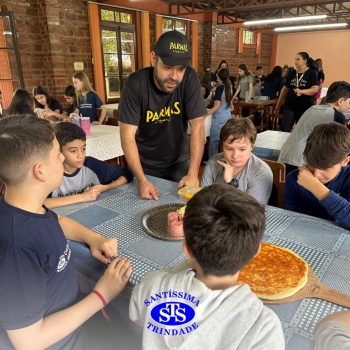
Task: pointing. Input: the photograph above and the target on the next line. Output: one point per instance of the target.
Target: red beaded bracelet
(104, 303)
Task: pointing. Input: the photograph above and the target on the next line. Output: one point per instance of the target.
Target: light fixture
(289, 19)
(311, 27)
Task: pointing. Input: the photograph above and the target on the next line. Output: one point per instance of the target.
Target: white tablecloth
(110, 108)
(104, 142)
(268, 144)
(207, 125)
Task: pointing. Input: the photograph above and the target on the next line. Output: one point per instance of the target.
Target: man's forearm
(196, 147)
(131, 154)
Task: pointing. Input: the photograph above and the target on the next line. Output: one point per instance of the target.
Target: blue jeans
(218, 122)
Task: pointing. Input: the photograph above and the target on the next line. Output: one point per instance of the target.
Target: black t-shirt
(161, 117)
(306, 80)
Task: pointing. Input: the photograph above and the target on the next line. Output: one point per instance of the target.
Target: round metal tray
(155, 221)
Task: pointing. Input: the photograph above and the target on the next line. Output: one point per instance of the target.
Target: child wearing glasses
(236, 165)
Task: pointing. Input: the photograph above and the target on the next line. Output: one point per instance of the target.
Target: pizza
(276, 273)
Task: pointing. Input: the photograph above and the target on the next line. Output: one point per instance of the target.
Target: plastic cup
(75, 119)
(85, 125)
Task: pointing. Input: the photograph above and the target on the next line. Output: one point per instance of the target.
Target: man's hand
(103, 248)
(228, 172)
(96, 123)
(189, 180)
(148, 191)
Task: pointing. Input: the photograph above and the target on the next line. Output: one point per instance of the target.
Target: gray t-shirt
(244, 84)
(255, 178)
(292, 150)
(227, 319)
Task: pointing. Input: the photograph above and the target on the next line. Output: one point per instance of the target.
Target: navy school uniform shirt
(89, 104)
(36, 271)
(335, 206)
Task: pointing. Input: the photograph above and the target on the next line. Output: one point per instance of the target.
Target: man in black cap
(156, 104)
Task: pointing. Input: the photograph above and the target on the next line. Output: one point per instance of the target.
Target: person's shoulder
(154, 278)
(91, 162)
(144, 73)
(292, 176)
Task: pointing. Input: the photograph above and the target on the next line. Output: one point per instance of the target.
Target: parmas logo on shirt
(174, 314)
(163, 115)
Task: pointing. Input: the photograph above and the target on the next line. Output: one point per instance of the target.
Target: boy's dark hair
(337, 90)
(68, 132)
(259, 67)
(238, 128)
(22, 137)
(327, 145)
(223, 228)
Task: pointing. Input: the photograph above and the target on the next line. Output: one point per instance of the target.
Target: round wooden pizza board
(314, 289)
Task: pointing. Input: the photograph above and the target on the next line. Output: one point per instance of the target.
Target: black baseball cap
(174, 49)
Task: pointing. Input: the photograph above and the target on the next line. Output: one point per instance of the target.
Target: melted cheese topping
(276, 273)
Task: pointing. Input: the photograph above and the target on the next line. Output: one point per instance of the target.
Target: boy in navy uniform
(39, 288)
(321, 186)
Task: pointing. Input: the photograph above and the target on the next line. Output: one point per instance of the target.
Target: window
(118, 50)
(249, 37)
(174, 24)
(11, 77)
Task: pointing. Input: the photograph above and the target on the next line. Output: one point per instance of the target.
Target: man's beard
(162, 82)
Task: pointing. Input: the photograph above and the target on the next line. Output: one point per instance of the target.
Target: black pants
(173, 172)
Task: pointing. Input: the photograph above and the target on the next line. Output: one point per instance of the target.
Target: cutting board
(315, 289)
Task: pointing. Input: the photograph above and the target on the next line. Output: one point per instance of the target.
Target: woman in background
(299, 91)
(273, 83)
(321, 77)
(88, 100)
(221, 111)
(20, 104)
(69, 95)
(43, 100)
(245, 83)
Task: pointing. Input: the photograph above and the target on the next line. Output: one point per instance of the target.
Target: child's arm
(336, 206)
(118, 182)
(89, 195)
(102, 116)
(101, 248)
(55, 327)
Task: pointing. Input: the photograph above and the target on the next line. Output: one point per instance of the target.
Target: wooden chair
(279, 178)
(114, 120)
(275, 119)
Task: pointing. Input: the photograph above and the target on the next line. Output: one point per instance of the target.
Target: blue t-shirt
(335, 206)
(36, 271)
(89, 104)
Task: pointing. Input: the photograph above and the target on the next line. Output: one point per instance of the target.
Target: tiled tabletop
(117, 213)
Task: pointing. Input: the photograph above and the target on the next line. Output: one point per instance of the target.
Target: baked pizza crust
(276, 273)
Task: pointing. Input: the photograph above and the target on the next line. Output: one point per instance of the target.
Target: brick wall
(52, 35)
(218, 42)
